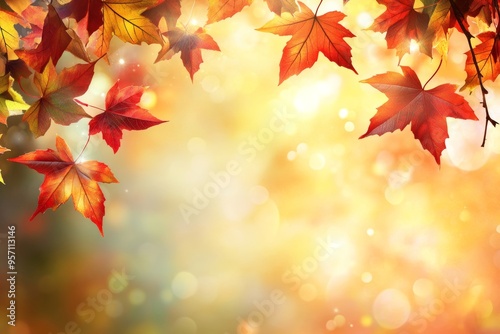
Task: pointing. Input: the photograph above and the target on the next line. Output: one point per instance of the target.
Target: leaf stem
(88, 105)
(460, 16)
(83, 149)
(190, 14)
(435, 72)
(316, 13)
(25, 92)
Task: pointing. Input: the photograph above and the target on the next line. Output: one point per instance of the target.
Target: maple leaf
(169, 9)
(402, 24)
(17, 69)
(189, 45)
(9, 37)
(57, 94)
(64, 177)
(88, 10)
(487, 56)
(16, 5)
(310, 35)
(122, 113)
(9, 99)
(55, 39)
(219, 10)
(35, 15)
(438, 26)
(123, 19)
(282, 6)
(442, 18)
(482, 9)
(77, 47)
(426, 110)
(2, 151)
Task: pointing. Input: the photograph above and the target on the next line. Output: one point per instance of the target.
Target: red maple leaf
(90, 10)
(64, 177)
(189, 45)
(310, 35)
(122, 113)
(426, 110)
(402, 24)
(55, 39)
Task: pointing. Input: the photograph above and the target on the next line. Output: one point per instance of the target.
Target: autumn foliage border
(34, 34)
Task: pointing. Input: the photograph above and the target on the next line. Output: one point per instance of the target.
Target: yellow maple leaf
(124, 19)
(9, 37)
(10, 100)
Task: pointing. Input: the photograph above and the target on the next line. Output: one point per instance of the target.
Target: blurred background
(256, 209)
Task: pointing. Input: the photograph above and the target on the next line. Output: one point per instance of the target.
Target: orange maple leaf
(488, 60)
(282, 6)
(9, 37)
(64, 177)
(17, 5)
(189, 45)
(219, 10)
(426, 110)
(310, 35)
(57, 94)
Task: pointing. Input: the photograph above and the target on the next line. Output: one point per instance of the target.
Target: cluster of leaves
(33, 39)
(431, 26)
(34, 34)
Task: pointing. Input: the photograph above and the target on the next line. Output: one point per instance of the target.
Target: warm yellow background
(399, 229)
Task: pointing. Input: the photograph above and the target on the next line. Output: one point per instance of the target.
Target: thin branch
(432, 76)
(460, 17)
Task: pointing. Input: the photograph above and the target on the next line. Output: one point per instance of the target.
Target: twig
(460, 17)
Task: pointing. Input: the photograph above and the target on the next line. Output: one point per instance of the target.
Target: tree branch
(460, 19)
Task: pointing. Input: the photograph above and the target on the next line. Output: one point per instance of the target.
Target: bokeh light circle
(184, 285)
(391, 309)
